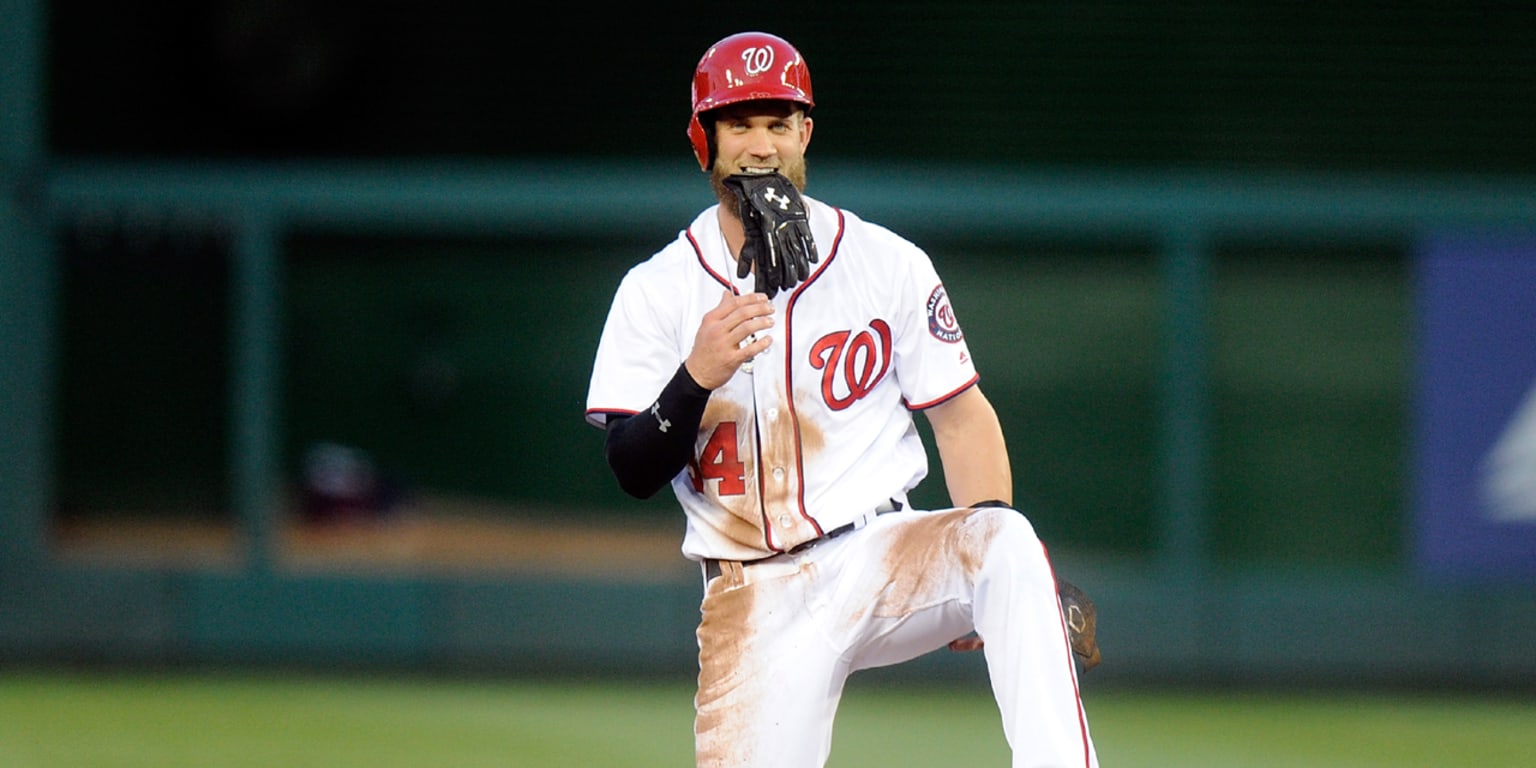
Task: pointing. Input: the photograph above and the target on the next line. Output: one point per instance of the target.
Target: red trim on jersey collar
(725, 280)
(698, 252)
(837, 241)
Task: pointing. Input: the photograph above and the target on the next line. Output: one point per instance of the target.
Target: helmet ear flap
(703, 143)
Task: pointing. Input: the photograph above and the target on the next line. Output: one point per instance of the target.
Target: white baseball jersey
(819, 432)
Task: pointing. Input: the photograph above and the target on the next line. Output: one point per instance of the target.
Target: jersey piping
(946, 398)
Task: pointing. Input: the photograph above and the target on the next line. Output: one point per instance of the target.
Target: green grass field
(82, 720)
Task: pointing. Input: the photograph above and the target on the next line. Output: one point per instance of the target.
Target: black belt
(712, 565)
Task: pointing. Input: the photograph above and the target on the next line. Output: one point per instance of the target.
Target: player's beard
(795, 172)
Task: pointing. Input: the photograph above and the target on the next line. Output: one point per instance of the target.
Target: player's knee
(1008, 549)
(994, 533)
(1003, 523)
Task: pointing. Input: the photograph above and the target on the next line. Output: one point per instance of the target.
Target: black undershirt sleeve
(646, 450)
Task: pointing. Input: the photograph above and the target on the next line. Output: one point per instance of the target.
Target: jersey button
(778, 473)
(773, 414)
(784, 521)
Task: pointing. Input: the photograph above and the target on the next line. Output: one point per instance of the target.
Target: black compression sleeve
(646, 450)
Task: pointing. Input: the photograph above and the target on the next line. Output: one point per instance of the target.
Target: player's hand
(727, 337)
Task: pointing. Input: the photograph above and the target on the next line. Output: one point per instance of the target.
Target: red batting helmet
(743, 67)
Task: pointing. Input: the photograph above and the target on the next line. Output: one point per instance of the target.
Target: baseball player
(767, 365)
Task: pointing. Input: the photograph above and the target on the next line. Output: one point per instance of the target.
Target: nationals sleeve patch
(941, 317)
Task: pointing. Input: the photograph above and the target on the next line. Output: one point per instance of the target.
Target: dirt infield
(430, 536)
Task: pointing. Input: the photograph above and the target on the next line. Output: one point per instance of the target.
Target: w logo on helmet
(757, 59)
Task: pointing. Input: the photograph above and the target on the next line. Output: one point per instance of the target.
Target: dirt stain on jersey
(791, 440)
(773, 452)
(812, 438)
(744, 524)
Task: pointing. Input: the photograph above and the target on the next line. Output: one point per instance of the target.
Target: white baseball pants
(779, 637)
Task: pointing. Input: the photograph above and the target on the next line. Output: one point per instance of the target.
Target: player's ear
(805, 132)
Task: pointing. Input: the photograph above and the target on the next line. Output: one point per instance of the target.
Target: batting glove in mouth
(779, 247)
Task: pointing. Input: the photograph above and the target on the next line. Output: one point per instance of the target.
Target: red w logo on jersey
(851, 364)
